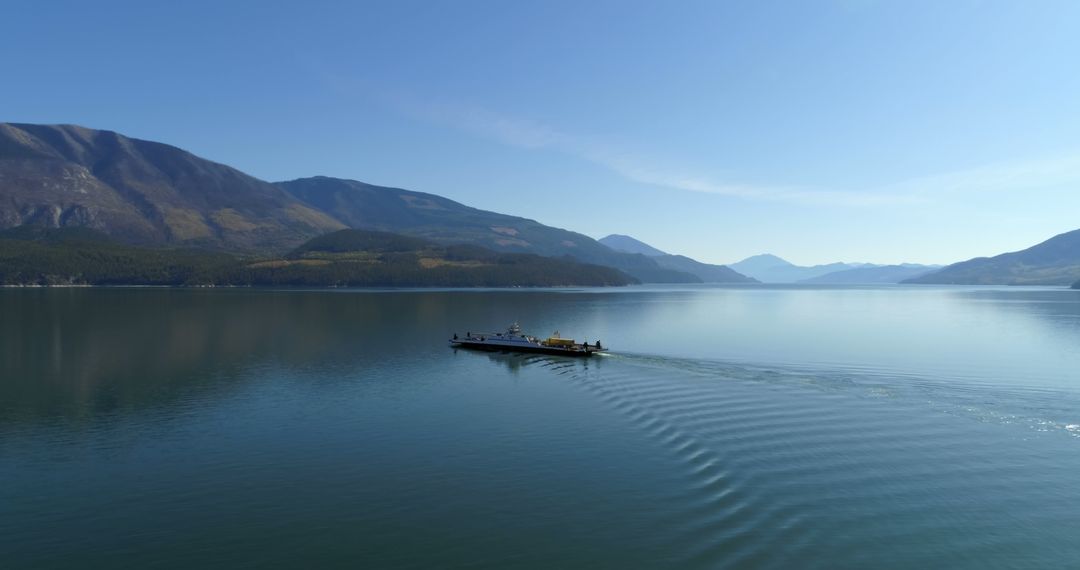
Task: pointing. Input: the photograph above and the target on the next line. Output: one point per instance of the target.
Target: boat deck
(514, 341)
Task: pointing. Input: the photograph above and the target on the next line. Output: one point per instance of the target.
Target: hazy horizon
(839, 131)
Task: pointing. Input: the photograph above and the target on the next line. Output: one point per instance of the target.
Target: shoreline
(303, 287)
(513, 287)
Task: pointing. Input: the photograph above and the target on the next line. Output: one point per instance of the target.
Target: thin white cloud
(1053, 171)
(1016, 175)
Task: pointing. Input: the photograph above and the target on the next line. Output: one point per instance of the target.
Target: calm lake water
(814, 427)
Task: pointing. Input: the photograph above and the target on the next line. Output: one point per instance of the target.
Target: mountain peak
(769, 268)
(627, 244)
(764, 260)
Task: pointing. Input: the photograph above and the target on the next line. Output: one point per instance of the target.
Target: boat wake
(778, 463)
(1039, 409)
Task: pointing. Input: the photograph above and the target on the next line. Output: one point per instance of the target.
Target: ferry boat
(513, 340)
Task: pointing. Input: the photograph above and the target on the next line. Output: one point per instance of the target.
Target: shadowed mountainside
(366, 206)
(1055, 261)
(627, 244)
(708, 273)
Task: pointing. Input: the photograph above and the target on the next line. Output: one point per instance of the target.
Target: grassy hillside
(77, 256)
(1055, 261)
(349, 258)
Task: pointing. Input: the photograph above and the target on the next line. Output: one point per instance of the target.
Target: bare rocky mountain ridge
(143, 192)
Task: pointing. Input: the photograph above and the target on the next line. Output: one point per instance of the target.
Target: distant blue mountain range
(769, 268)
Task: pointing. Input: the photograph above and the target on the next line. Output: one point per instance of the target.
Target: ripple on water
(786, 466)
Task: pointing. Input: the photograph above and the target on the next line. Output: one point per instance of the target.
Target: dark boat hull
(578, 352)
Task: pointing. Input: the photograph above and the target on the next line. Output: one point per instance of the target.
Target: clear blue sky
(819, 131)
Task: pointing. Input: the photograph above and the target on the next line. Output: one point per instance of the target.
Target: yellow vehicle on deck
(556, 340)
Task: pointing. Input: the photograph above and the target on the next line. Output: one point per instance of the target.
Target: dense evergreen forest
(347, 258)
